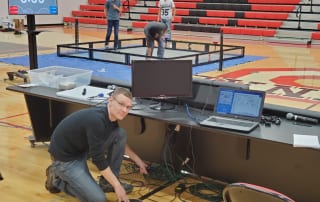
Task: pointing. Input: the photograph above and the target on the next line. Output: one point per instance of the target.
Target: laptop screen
(239, 103)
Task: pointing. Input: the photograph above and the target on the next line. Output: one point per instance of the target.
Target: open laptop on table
(236, 109)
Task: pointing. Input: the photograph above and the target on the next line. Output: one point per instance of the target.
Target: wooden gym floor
(290, 74)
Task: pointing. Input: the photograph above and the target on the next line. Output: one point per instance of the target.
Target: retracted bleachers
(93, 12)
(244, 17)
(238, 17)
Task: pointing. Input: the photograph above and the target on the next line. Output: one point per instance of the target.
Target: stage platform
(135, 49)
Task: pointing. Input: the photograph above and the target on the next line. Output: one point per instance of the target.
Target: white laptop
(236, 109)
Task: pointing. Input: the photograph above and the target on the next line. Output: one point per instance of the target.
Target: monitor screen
(161, 78)
(32, 7)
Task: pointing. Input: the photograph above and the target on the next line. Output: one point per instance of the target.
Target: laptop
(236, 109)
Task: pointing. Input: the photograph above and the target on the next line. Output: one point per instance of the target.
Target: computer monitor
(161, 79)
(33, 7)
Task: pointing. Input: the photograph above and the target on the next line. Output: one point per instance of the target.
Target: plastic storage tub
(60, 77)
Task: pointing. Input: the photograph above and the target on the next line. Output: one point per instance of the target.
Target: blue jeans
(113, 24)
(168, 33)
(150, 44)
(74, 178)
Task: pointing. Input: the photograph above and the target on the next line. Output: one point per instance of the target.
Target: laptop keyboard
(232, 122)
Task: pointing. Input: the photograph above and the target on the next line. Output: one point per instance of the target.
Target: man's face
(119, 107)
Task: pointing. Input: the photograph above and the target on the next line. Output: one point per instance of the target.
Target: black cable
(162, 172)
(209, 191)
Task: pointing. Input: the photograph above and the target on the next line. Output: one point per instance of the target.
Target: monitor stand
(136, 104)
(161, 106)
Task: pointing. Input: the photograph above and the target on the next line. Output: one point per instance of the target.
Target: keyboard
(231, 122)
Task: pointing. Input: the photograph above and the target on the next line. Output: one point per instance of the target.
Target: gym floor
(289, 73)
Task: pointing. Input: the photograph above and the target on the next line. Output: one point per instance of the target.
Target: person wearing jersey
(166, 14)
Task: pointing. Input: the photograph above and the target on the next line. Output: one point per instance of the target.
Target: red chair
(244, 192)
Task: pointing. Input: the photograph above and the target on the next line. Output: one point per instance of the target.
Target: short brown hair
(124, 91)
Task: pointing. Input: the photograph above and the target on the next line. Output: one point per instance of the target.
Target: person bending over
(92, 133)
(154, 31)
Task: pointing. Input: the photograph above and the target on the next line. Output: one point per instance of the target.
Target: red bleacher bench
(315, 35)
(188, 0)
(268, 32)
(153, 10)
(185, 5)
(98, 14)
(96, 2)
(68, 19)
(177, 19)
(102, 2)
(220, 13)
(148, 17)
(98, 21)
(280, 8)
(213, 21)
(259, 23)
(184, 12)
(139, 24)
(92, 7)
(274, 1)
(248, 31)
(266, 15)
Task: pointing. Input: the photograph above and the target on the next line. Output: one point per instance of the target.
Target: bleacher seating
(244, 17)
(93, 12)
(315, 35)
(97, 14)
(92, 7)
(266, 15)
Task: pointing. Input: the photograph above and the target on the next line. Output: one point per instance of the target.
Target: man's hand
(142, 166)
(121, 194)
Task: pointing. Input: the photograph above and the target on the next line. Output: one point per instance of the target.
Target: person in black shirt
(92, 133)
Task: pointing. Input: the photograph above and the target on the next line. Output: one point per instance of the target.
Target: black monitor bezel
(165, 64)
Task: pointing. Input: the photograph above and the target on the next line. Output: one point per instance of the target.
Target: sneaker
(49, 182)
(106, 47)
(107, 187)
